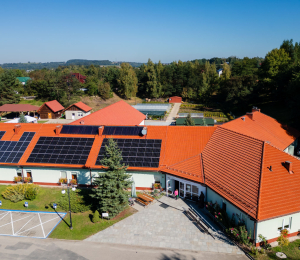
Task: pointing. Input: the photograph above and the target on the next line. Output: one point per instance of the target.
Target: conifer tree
(110, 195)
(22, 119)
(189, 121)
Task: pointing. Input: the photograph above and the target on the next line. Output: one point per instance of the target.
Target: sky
(136, 30)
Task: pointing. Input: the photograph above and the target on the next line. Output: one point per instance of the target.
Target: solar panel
(79, 129)
(61, 150)
(12, 151)
(1, 134)
(136, 152)
(122, 130)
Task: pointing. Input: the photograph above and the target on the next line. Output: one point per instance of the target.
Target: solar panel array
(122, 130)
(79, 129)
(136, 152)
(1, 134)
(61, 150)
(12, 151)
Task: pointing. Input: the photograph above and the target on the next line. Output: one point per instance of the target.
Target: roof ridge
(242, 134)
(260, 179)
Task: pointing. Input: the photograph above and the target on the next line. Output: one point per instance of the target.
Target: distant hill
(54, 65)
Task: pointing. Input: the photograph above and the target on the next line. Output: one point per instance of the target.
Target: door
(73, 115)
(49, 116)
(181, 189)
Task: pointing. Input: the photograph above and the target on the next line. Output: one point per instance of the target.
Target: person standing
(176, 194)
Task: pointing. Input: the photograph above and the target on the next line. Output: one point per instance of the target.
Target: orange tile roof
(279, 190)
(119, 113)
(264, 128)
(54, 105)
(176, 146)
(81, 106)
(232, 166)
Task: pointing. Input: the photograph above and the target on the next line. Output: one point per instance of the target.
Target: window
(224, 206)
(19, 173)
(80, 114)
(28, 174)
(284, 224)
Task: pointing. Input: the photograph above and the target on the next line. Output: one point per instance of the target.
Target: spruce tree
(189, 121)
(110, 194)
(22, 119)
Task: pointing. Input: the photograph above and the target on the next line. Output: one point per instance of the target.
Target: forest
(274, 80)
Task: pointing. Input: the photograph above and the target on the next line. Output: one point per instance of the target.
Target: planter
(281, 255)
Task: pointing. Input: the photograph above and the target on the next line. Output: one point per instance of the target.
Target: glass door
(181, 189)
(188, 191)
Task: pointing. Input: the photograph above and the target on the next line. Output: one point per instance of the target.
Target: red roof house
(51, 110)
(79, 77)
(175, 99)
(119, 113)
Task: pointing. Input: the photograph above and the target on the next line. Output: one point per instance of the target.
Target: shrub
(77, 202)
(254, 250)
(31, 194)
(262, 251)
(96, 217)
(19, 192)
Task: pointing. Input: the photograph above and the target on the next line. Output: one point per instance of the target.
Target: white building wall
(7, 174)
(230, 209)
(142, 123)
(68, 114)
(269, 228)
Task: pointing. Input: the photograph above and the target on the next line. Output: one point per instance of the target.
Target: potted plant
(63, 181)
(27, 179)
(17, 179)
(156, 185)
(73, 182)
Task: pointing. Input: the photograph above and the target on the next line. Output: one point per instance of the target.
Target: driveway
(174, 112)
(167, 227)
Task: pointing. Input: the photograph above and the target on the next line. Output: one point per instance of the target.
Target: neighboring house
(119, 113)
(51, 110)
(79, 77)
(19, 108)
(23, 80)
(242, 165)
(175, 99)
(77, 111)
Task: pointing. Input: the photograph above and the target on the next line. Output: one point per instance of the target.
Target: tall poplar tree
(110, 194)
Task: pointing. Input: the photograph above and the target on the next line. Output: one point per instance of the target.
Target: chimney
(17, 129)
(58, 129)
(82, 122)
(255, 109)
(100, 130)
(250, 115)
(288, 166)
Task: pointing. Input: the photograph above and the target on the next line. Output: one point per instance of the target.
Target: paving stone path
(164, 227)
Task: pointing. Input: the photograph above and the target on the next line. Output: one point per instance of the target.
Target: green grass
(83, 227)
(32, 102)
(41, 203)
(42, 122)
(291, 251)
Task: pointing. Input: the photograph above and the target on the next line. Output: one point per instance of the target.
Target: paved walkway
(174, 112)
(58, 121)
(18, 248)
(164, 227)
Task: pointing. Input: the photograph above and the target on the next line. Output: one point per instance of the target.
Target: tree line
(242, 82)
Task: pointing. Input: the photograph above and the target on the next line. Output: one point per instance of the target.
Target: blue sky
(126, 30)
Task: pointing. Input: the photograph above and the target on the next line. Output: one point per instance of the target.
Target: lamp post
(63, 192)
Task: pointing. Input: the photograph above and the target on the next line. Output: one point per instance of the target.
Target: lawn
(42, 121)
(291, 251)
(83, 227)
